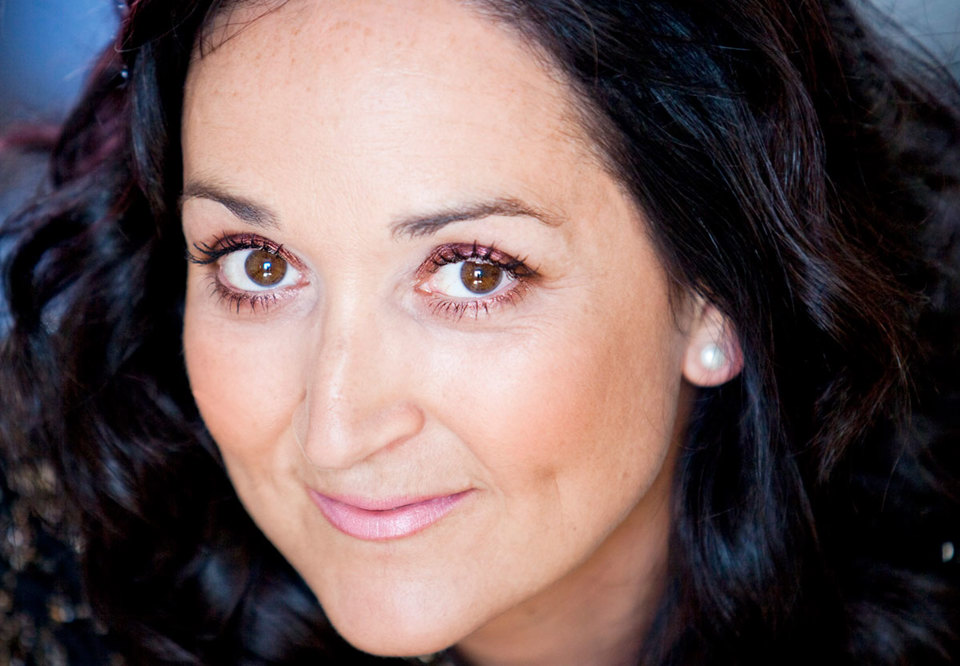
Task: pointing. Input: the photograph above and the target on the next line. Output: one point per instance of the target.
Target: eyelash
(224, 245)
(452, 253)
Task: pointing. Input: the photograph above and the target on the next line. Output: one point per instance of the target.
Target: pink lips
(378, 520)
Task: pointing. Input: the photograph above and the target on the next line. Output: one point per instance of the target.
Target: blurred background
(46, 47)
(45, 50)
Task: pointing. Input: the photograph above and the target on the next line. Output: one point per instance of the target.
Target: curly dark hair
(800, 173)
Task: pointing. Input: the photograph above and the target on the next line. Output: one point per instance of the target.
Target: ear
(713, 355)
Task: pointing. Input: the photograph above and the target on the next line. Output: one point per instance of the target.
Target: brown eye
(480, 278)
(265, 268)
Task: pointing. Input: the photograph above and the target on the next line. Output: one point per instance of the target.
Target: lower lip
(403, 519)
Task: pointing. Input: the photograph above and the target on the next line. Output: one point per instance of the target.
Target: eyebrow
(424, 225)
(244, 209)
(411, 227)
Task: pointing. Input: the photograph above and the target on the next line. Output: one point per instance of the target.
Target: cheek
(580, 411)
(243, 380)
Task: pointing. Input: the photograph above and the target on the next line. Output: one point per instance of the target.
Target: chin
(385, 640)
(393, 624)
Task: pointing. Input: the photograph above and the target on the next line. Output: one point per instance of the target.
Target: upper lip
(384, 503)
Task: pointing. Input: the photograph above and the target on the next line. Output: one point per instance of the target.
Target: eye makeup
(252, 273)
(487, 280)
(268, 272)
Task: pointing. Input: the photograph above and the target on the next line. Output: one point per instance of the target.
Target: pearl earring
(712, 357)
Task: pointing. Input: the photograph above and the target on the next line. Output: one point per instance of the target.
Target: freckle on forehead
(365, 41)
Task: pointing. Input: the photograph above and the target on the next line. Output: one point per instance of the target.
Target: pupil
(480, 278)
(265, 268)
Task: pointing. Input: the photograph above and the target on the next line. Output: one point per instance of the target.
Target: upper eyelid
(228, 243)
(518, 269)
(214, 251)
(477, 252)
(235, 291)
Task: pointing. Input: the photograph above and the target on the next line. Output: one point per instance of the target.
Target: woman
(546, 332)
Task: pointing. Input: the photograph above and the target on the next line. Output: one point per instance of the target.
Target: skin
(559, 408)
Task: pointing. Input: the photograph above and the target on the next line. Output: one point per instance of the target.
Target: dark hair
(799, 173)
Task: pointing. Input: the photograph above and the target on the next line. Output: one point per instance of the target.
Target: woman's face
(425, 326)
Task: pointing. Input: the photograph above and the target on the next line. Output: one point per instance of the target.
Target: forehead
(357, 29)
(350, 70)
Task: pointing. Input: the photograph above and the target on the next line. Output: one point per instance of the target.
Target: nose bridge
(356, 400)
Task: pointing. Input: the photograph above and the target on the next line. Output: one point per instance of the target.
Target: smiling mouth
(382, 520)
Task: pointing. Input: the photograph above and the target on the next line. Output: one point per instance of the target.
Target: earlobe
(713, 355)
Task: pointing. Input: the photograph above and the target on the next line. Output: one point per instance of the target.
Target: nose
(359, 396)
